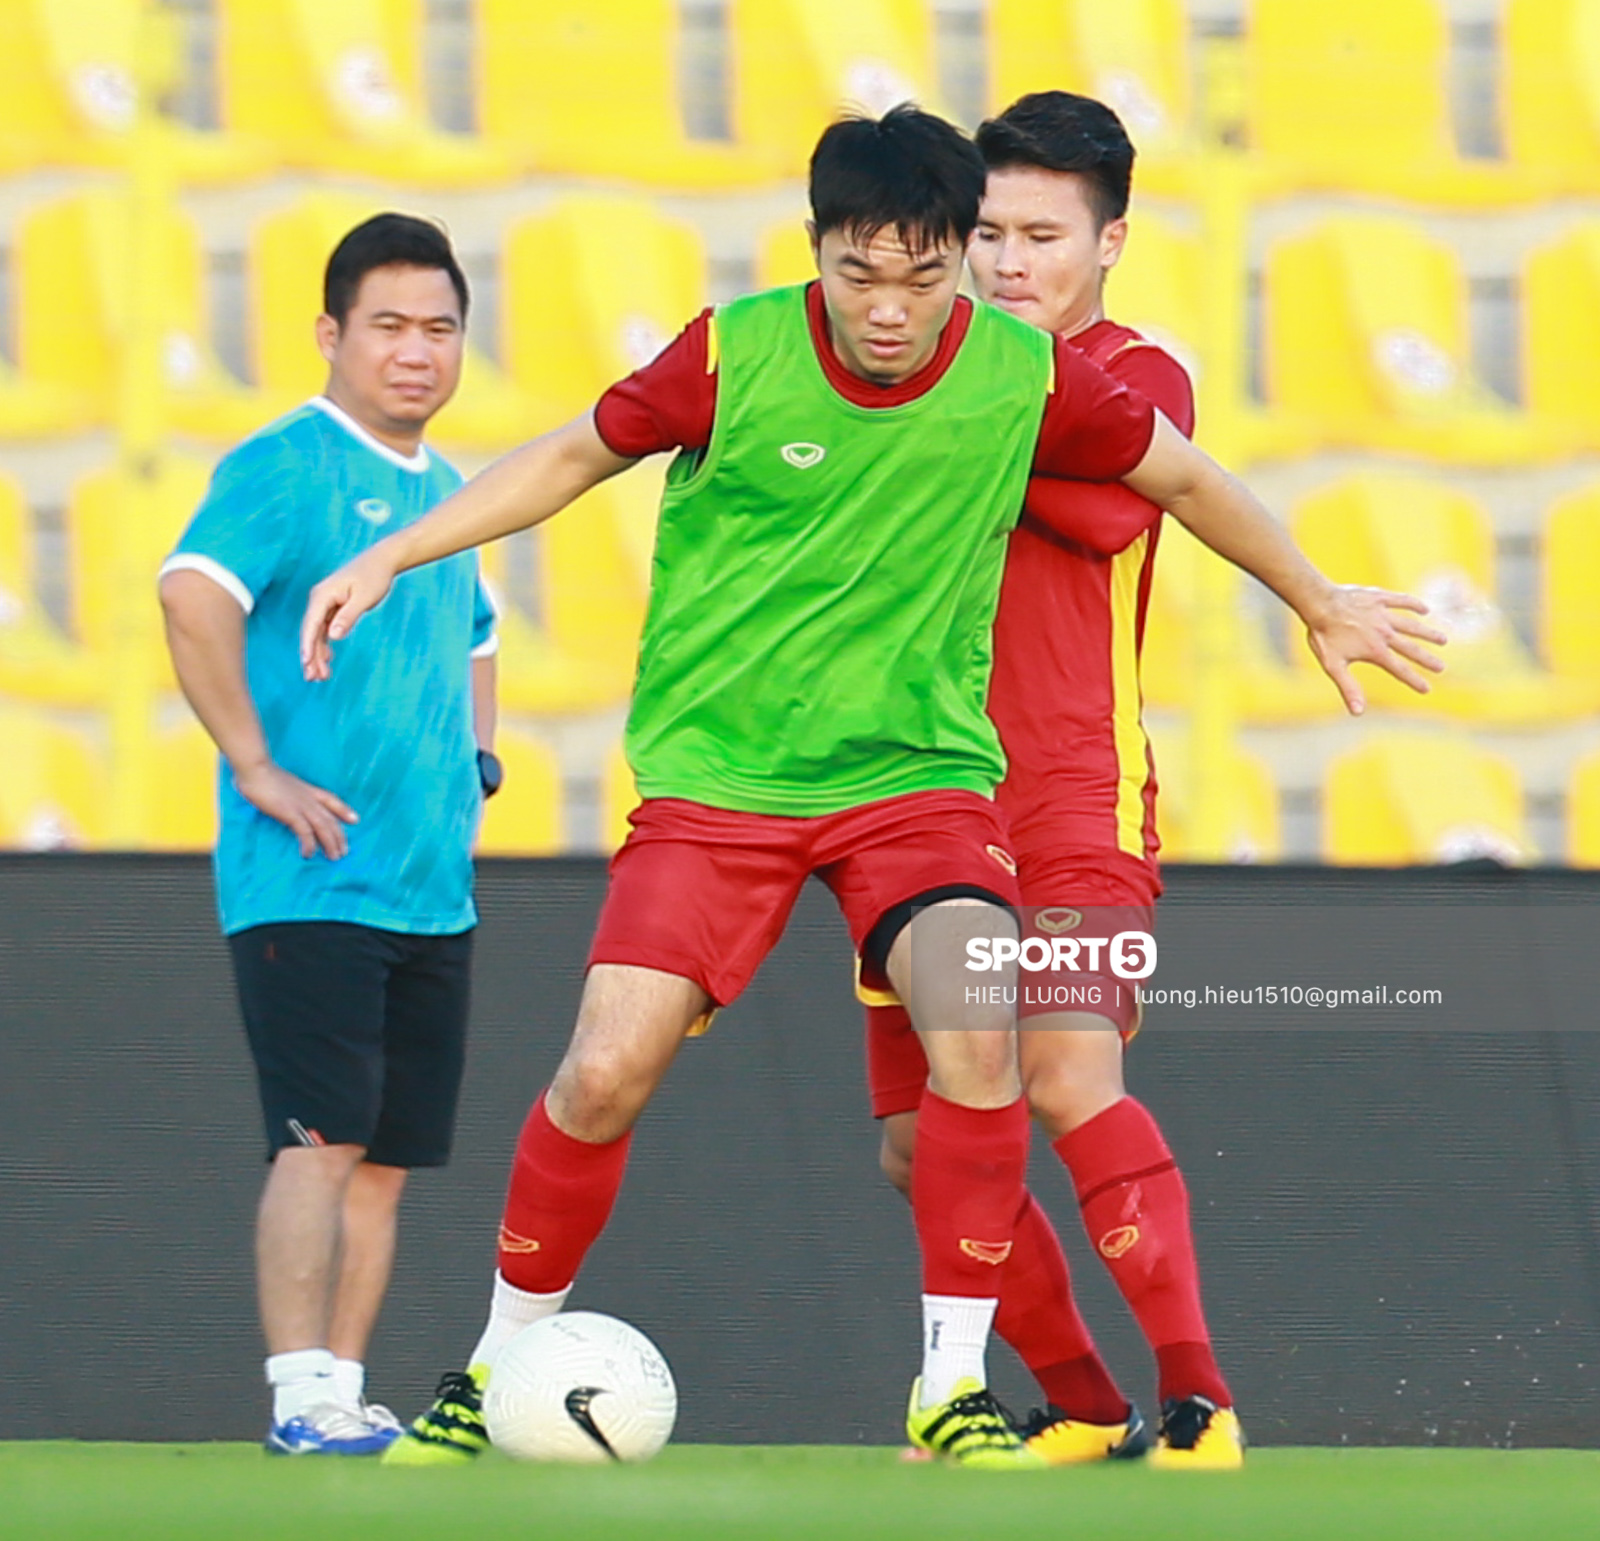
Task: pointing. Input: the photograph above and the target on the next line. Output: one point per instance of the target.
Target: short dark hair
(908, 169)
(387, 240)
(1058, 131)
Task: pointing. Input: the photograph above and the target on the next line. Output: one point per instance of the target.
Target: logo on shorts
(1004, 857)
(509, 1241)
(1054, 921)
(1115, 1243)
(374, 510)
(303, 1135)
(803, 456)
(992, 1252)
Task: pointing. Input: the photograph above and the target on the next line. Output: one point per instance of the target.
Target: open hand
(315, 817)
(1376, 626)
(337, 603)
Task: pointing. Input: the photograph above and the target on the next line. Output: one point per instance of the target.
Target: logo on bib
(802, 456)
(374, 510)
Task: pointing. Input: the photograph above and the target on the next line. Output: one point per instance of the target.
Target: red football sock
(966, 1193)
(1136, 1210)
(559, 1200)
(1039, 1319)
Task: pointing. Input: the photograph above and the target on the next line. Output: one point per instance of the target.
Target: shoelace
(332, 1421)
(380, 1417)
(457, 1386)
(984, 1407)
(1184, 1422)
(1040, 1419)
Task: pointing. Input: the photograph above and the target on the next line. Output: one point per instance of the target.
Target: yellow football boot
(450, 1432)
(1197, 1435)
(1064, 1441)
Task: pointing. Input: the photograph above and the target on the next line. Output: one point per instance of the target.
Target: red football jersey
(1065, 693)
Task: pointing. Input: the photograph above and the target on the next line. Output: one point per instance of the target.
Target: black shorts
(359, 1035)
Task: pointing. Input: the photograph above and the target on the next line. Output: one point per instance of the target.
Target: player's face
(887, 304)
(397, 358)
(1039, 251)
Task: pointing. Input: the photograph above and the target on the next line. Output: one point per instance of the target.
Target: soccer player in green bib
(852, 454)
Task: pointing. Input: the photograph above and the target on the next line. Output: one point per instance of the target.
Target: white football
(579, 1386)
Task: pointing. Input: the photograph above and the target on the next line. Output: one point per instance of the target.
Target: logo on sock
(1118, 1241)
(992, 1252)
(513, 1243)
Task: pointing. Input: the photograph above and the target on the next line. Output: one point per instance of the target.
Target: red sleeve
(669, 403)
(1106, 516)
(1094, 429)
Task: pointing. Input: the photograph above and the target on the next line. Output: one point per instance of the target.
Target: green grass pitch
(75, 1492)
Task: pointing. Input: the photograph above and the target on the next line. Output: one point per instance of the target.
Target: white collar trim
(416, 462)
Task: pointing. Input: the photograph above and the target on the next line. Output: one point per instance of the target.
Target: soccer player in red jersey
(810, 699)
(1079, 799)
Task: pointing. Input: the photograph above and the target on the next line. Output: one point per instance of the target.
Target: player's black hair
(1058, 131)
(907, 169)
(387, 240)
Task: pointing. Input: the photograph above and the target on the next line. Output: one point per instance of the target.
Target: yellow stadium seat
(619, 796)
(593, 287)
(115, 556)
(73, 312)
(1156, 288)
(1366, 341)
(34, 409)
(339, 88)
(1253, 822)
(1560, 332)
(68, 78)
(1429, 540)
(595, 90)
(184, 816)
(1583, 813)
(1267, 691)
(288, 253)
(799, 63)
(525, 819)
(1133, 56)
(1550, 92)
(1353, 95)
(1409, 798)
(36, 662)
(54, 788)
(1569, 595)
(575, 88)
(783, 255)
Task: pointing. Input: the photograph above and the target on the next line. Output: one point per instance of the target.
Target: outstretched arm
(1345, 624)
(521, 490)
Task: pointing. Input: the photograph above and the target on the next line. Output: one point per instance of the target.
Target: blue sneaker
(329, 1429)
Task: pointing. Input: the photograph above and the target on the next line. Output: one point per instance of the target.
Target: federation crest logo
(373, 510)
(1118, 1242)
(803, 456)
(1054, 921)
(991, 1252)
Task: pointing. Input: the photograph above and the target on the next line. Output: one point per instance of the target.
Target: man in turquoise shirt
(344, 870)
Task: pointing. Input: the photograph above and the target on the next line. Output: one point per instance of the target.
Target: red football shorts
(1060, 896)
(705, 892)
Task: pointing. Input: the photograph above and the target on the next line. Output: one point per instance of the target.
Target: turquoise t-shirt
(391, 732)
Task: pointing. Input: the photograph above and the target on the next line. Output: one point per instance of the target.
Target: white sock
(955, 1333)
(350, 1381)
(300, 1380)
(510, 1310)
